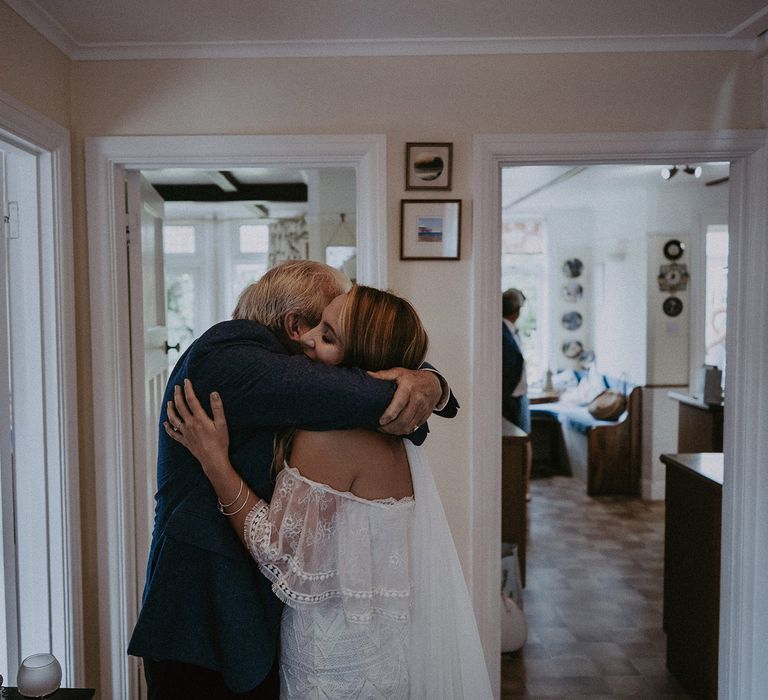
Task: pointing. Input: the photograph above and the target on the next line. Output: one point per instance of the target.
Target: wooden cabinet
(514, 508)
(700, 425)
(692, 569)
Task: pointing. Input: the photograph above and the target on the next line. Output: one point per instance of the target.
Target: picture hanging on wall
(428, 166)
(430, 229)
(573, 267)
(572, 291)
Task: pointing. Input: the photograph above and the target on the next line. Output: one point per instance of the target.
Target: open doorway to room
(623, 270)
(117, 377)
(40, 581)
(223, 229)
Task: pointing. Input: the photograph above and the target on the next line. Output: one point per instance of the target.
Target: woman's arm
(208, 441)
(272, 535)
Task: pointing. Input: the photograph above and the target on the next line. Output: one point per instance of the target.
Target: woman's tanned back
(371, 465)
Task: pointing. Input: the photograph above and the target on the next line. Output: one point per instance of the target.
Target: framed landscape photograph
(430, 229)
(428, 166)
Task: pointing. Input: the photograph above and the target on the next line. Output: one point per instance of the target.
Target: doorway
(591, 247)
(40, 578)
(107, 160)
(743, 609)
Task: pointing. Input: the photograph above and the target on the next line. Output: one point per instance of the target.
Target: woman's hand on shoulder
(189, 425)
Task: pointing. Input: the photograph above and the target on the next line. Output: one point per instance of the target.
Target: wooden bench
(606, 454)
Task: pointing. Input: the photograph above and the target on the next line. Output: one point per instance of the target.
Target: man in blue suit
(514, 385)
(208, 625)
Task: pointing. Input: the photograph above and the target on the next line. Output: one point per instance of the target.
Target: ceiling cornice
(58, 36)
(411, 47)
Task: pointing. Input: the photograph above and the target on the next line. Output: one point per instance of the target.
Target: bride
(355, 539)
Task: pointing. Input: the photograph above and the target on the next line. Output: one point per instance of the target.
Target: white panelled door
(149, 362)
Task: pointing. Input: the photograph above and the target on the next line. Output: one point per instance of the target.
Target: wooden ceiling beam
(259, 192)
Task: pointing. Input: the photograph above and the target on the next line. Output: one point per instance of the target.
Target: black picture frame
(428, 166)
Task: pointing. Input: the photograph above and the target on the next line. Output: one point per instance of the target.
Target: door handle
(176, 347)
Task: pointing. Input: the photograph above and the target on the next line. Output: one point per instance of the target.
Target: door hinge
(11, 220)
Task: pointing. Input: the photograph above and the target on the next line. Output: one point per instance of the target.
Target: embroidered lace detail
(317, 544)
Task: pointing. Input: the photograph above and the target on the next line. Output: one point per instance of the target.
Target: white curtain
(288, 240)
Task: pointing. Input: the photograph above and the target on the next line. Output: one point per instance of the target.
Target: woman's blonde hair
(379, 330)
(303, 286)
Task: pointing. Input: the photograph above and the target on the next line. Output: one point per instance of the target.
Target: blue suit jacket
(205, 602)
(511, 371)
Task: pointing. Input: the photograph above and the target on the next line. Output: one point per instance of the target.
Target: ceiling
(104, 29)
(193, 194)
(546, 187)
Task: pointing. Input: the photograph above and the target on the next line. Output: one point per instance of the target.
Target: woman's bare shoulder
(370, 464)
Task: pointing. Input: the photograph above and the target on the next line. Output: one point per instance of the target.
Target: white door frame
(744, 606)
(106, 160)
(59, 496)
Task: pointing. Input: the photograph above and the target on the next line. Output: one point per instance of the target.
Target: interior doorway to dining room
(585, 244)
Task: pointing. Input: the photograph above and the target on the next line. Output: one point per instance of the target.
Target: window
(178, 239)
(249, 259)
(524, 266)
(715, 305)
(182, 264)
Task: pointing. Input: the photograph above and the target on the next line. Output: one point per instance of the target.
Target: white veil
(447, 661)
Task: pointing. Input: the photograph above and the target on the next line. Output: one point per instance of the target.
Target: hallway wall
(448, 98)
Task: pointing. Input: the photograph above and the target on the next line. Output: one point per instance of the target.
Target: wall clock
(673, 277)
(672, 306)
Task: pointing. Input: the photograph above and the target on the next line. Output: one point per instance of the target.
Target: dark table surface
(60, 694)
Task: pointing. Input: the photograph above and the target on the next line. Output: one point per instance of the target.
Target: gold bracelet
(235, 512)
(222, 506)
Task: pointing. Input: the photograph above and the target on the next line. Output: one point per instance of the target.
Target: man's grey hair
(302, 286)
(511, 302)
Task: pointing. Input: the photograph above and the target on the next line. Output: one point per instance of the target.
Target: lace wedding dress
(376, 604)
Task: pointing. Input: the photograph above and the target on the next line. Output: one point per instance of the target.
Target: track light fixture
(669, 173)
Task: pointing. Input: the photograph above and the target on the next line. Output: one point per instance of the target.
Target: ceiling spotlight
(690, 170)
(669, 173)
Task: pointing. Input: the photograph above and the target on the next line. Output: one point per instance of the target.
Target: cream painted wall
(407, 99)
(32, 69)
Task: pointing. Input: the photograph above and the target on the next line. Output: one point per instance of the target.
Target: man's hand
(418, 392)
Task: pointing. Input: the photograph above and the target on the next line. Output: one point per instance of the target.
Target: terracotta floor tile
(593, 601)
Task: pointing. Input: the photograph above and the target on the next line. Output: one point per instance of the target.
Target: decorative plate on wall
(572, 348)
(573, 267)
(587, 357)
(672, 306)
(673, 277)
(674, 249)
(572, 291)
(572, 320)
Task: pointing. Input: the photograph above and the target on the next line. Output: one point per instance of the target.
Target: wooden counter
(700, 425)
(514, 507)
(692, 569)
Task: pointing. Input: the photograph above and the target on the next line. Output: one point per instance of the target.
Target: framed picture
(428, 166)
(430, 229)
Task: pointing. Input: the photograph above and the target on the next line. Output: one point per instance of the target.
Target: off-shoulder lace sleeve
(316, 544)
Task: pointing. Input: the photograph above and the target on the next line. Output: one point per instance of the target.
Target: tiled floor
(593, 600)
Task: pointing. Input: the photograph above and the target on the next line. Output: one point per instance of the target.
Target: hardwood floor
(593, 600)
